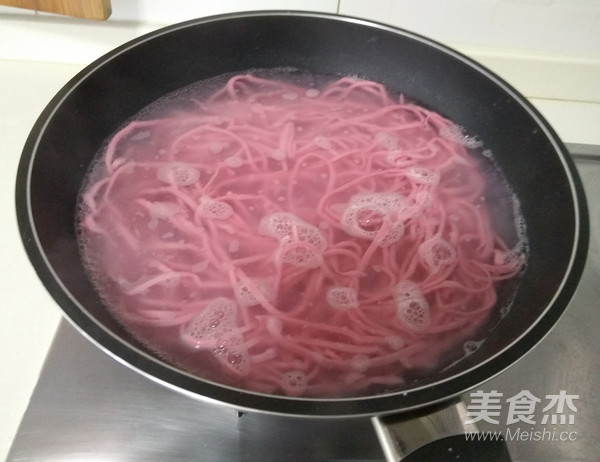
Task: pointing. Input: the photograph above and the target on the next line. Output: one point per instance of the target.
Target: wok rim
(403, 401)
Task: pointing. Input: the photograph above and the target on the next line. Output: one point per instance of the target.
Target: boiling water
(298, 234)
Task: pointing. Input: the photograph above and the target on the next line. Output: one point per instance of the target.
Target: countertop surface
(28, 316)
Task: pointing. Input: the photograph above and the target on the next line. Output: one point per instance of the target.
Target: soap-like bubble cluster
(178, 174)
(294, 383)
(211, 208)
(423, 175)
(458, 135)
(301, 244)
(342, 298)
(288, 227)
(375, 216)
(251, 292)
(322, 240)
(411, 306)
(215, 328)
(437, 252)
(160, 210)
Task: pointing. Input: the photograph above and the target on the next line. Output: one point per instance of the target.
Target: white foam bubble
(393, 235)
(406, 289)
(322, 141)
(178, 174)
(132, 287)
(231, 352)
(411, 306)
(512, 258)
(217, 147)
(234, 161)
(352, 377)
(380, 201)
(311, 235)
(234, 246)
(278, 154)
(360, 362)
(211, 208)
(294, 383)
(342, 298)
(216, 319)
(522, 245)
(312, 93)
(365, 213)
(277, 225)
(301, 255)
(274, 326)
(386, 140)
(215, 329)
(424, 198)
(398, 158)
(288, 228)
(457, 134)
(160, 211)
(200, 266)
(422, 175)
(437, 252)
(171, 282)
(395, 342)
(472, 346)
(290, 96)
(414, 313)
(141, 135)
(245, 293)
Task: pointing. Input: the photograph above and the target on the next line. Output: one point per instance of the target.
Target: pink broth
(298, 240)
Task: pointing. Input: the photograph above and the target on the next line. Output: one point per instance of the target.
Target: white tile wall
(569, 27)
(547, 48)
(170, 11)
(543, 26)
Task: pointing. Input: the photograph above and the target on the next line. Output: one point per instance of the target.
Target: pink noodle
(256, 231)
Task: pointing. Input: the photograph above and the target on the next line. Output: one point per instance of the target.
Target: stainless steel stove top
(88, 407)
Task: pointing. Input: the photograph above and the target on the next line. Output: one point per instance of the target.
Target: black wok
(109, 91)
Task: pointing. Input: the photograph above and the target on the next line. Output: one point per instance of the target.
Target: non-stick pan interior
(108, 92)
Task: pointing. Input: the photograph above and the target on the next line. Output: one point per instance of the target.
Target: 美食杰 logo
(555, 412)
